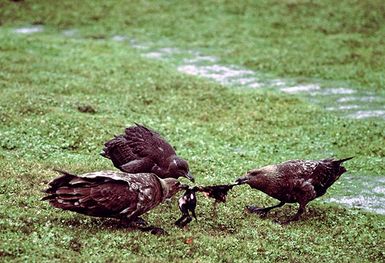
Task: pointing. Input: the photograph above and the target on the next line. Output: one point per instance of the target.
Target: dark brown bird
(110, 194)
(141, 150)
(297, 181)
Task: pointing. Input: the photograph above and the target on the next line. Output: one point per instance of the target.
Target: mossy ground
(221, 131)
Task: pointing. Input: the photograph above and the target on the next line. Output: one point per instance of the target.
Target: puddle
(336, 91)
(199, 59)
(300, 88)
(364, 192)
(162, 53)
(363, 104)
(361, 99)
(343, 107)
(226, 75)
(359, 104)
(364, 114)
(70, 32)
(29, 30)
(119, 38)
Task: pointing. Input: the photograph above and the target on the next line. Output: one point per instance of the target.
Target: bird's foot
(283, 223)
(138, 222)
(133, 224)
(257, 210)
(183, 221)
(141, 224)
(153, 230)
(287, 221)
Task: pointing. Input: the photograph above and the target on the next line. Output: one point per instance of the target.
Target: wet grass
(62, 98)
(327, 40)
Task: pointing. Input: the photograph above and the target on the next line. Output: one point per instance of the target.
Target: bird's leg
(141, 224)
(297, 216)
(134, 223)
(193, 214)
(214, 211)
(262, 210)
(153, 230)
(184, 220)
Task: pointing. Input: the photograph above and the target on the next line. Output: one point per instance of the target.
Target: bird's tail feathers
(61, 180)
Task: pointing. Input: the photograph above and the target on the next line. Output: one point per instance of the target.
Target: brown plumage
(110, 194)
(141, 150)
(297, 181)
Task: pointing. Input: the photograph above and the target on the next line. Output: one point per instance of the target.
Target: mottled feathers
(297, 181)
(110, 194)
(142, 150)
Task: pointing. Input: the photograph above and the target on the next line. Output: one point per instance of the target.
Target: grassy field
(222, 132)
(330, 40)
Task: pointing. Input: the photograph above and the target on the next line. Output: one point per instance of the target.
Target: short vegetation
(61, 98)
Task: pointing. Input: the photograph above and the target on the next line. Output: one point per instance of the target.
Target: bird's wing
(326, 173)
(113, 197)
(321, 174)
(297, 169)
(119, 151)
(94, 196)
(147, 186)
(147, 143)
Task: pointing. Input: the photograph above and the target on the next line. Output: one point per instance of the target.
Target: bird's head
(171, 186)
(257, 176)
(249, 176)
(179, 168)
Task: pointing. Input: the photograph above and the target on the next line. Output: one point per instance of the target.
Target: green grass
(222, 132)
(330, 40)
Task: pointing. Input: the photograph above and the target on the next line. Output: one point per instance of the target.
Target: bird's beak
(241, 180)
(190, 177)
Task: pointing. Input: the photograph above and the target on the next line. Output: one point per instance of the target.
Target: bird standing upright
(110, 194)
(142, 150)
(297, 181)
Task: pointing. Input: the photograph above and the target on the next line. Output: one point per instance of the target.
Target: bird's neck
(264, 183)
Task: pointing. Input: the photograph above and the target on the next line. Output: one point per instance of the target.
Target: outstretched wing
(118, 151)
(147, 143)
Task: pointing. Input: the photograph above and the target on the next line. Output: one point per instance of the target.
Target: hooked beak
(190, 177)
(184, 186)
(241, 180)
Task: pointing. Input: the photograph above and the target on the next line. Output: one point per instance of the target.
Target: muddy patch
(364, 192)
